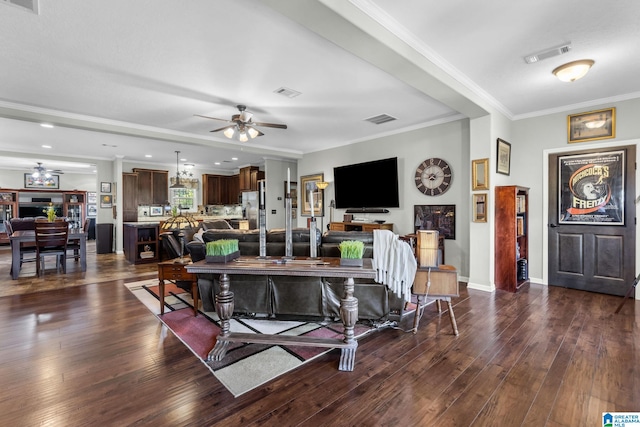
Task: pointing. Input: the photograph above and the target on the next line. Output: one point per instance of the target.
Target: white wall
(448, 141)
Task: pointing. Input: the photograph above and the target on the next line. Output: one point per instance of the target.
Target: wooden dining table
(29, 236)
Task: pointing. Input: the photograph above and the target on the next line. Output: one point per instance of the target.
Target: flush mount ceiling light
(573, 71)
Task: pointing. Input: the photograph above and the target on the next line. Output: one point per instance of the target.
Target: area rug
(245, 366)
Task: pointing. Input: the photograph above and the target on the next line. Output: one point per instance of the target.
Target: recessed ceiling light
(234, 158)
(46, 125)
(46, 146)
(148, 155)
(183, 160)
(216, 163)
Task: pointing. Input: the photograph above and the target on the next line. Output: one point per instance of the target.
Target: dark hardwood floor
(79, 349)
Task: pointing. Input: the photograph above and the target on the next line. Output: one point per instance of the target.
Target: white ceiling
(139, 71)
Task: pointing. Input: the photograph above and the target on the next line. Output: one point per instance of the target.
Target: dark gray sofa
(280, 296)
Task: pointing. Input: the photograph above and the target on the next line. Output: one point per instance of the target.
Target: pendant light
(178, 184)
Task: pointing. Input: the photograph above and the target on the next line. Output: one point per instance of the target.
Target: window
(184, 198)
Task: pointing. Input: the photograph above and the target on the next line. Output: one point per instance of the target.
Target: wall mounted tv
(367, 185)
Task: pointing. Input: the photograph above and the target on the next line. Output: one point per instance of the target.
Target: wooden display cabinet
(511, 237)
(74, 207)
(141, 243)
(8, 210)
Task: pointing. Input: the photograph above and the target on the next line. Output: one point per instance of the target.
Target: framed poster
(92, 210)
(592, 125)
(91, 197)
(53, 182)
(436, 217)
(591, 188)
(308, 186)
(503, 163)
(106, 201)
(105, 187)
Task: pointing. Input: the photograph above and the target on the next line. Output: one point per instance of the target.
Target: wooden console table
(173, 272)
(359, 226)
(320, 267)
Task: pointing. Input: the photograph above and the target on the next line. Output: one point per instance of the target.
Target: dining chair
(25, 247)
(74, 245)
(51, 239)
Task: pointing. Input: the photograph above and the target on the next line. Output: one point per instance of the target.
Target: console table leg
(349, 316)
(224, 308)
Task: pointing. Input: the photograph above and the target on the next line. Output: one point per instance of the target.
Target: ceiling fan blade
(213, 118)
(269, 125)
(219, 129)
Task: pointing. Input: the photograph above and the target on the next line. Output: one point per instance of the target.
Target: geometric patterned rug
(245, 366)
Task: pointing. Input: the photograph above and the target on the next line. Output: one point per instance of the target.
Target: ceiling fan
(243, 125)
(40, 171)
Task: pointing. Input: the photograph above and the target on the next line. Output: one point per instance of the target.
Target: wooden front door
(592, 220)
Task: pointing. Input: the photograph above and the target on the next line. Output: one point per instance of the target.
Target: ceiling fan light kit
(242, 125)
(572, 71)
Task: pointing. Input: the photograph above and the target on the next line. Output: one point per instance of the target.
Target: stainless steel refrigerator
(250, 208)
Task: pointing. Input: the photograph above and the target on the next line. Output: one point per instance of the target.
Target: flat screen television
(367, 185)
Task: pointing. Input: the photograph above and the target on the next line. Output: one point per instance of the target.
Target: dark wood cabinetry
(219, 189)
(129, 197)
(143, 187)
(249, 177)
(153, 186)
(141, 243)
(511, 237)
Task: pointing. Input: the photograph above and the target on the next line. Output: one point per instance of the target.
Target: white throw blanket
(394, 263)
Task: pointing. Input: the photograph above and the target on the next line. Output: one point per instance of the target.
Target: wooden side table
(174, 271)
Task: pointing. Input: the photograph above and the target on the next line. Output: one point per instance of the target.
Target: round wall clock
(433, 176)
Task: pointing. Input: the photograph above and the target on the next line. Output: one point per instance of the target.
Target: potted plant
(351, 252)
(222, 250)
(51, 212)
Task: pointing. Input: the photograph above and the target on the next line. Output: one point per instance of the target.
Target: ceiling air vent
(31, 5)
(285, 91)
(549, 53)
(380, 119)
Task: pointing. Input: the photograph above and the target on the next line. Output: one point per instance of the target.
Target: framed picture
(6, 197)
(91, 197)
(503, 164)
(308, 186)
(105, 187)
(591, 126)
(156, 210)
(480, 207)
(92, 210)
(436, 217)
(480, 174)
(53, 182)
(294, 194)
(106, 201)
